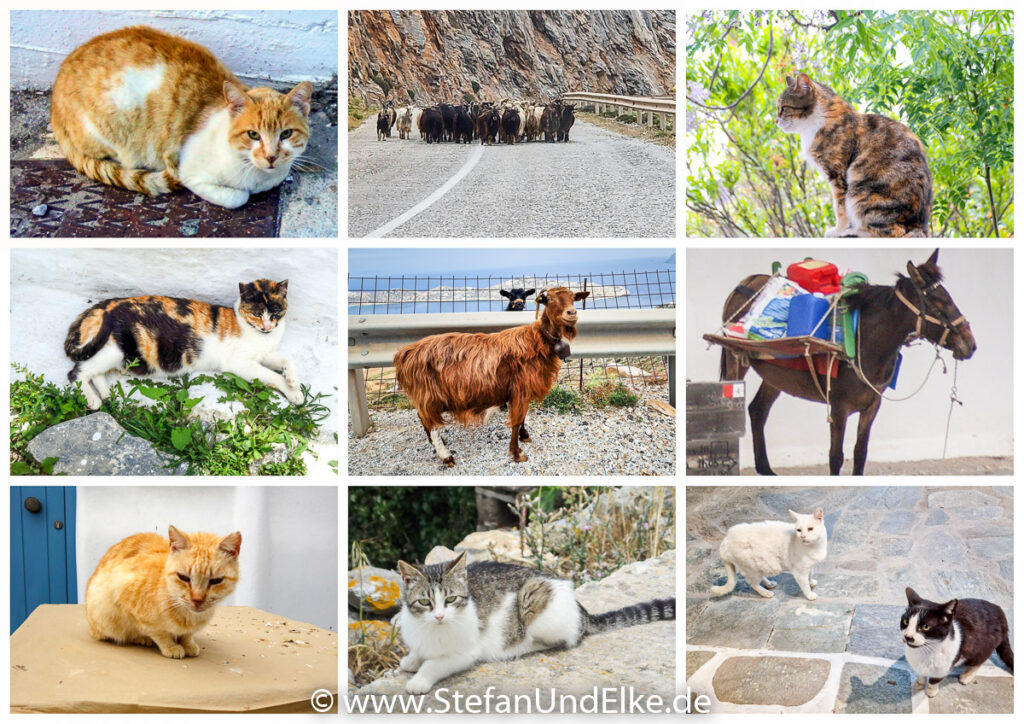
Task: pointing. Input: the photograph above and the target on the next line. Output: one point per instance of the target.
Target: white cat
(758, 550)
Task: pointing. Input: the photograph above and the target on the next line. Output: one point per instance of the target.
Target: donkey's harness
(922, 316)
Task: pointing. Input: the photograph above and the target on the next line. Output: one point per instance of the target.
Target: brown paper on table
(250, 661)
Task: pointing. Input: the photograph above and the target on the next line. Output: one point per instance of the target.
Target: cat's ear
(237, 100)
(819, 514)
(231, 544)
(408, 572)
(178, 540)
(456, 565)
(241, 288)
(299, 97)
(803, 82)
(283, 286)
(912, 598)
(794, 516)
(949, 608)
(790, 82)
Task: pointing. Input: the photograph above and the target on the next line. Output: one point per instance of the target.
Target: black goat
(516, 298)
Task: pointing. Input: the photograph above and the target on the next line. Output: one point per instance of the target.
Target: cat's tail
(134, 179)
(87, 335)
(660, 609)
(730, 572)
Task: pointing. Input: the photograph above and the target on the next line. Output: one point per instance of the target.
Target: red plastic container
(815, 276)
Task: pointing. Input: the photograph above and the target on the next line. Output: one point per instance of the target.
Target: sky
(362, 262)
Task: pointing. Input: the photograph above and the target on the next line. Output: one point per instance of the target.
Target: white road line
(474, 157)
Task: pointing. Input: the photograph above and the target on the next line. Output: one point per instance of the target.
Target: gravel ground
(609, 441)
(979, 465)
(600, 184)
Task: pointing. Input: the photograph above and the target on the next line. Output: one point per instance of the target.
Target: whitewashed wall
(980, 282)
(50, 287)
(289, 557)
(286, 46)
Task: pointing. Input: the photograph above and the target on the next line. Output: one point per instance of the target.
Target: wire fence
(593, 378)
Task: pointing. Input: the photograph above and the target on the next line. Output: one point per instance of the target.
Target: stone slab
(813, 627)
(939, 547)
(937, 517)
(985, 695)
(960, 499)
(695, 660)
(894, 497)
(962, 584)
(893, 547)
(740, 623)
(845, 586)
(980, 512)
(96, 445)
(994, 548)
(875, 631)
(870, 689)
(770, 680)
(897, 522)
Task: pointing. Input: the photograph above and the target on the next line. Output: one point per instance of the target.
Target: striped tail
(660, 609)
(134, 179)
(80, 349)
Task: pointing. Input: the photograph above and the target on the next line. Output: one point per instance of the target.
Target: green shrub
(390, 523)
(562, 400)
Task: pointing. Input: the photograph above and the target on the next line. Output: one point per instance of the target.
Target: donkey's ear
(915, 275)
(934, 258)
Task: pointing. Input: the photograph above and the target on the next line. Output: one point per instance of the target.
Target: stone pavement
(843, 652)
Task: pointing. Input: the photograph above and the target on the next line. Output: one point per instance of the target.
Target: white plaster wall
(288, 563)
(285, 46)
(50, 287)
(980, 282)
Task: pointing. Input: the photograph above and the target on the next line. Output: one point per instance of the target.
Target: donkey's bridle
(922, 316)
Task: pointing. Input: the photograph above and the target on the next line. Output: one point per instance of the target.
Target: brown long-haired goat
(470, 374)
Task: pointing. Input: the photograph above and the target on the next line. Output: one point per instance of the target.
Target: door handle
(32, 505)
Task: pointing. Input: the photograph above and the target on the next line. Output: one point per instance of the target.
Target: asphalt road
(599, 184)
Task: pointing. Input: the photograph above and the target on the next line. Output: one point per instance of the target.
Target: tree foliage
(947, 74)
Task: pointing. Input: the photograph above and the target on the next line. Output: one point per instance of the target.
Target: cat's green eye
(286, 133)
(254, 135)
(925, 627)
(450, 600)
(183, 577)
(424, 602)
(215, 581)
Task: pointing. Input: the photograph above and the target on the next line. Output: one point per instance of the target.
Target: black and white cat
(940, 636)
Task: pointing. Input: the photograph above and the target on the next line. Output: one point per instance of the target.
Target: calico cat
(939, 636)
(149, 590)
(763, 549)
(455, 615)
(148, 111)
(171, 336)
(876, 167)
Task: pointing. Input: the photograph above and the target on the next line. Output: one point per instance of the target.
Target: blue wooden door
(42, 549)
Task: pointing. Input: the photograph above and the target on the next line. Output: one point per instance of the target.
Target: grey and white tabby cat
(455, 615)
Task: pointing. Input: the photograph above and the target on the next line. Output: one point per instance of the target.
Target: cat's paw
(418, 684)
(191, 648)
(409, 663)
(814, 582)
(291, 379)
(764, 593)
(919, 683)
(967, 677)
(811, 596)
(835, 232)
(931, 690)
(769, 583)
(294, 396)
(173, 651)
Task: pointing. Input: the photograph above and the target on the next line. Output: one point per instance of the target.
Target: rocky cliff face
(433, 56)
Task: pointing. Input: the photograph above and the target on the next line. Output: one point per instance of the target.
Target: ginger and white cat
(758, 550)
(149, 590)
(147, 111)
(171, 336)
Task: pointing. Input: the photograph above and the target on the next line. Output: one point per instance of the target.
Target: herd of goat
(502, 122)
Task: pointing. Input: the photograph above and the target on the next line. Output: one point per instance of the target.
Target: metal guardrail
(641, 104)
(373, 340)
